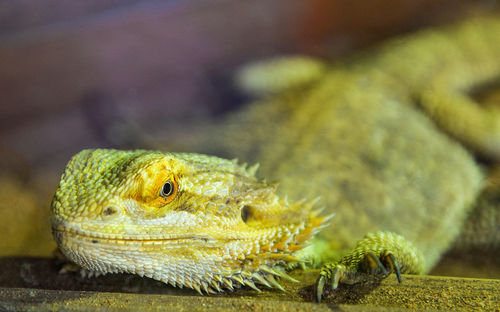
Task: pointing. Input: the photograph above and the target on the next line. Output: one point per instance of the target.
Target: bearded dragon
(347, 138)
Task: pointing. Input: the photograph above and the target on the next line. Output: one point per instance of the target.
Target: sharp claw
(393, 263)
(375, 262)
(338, 273)
(320, 285)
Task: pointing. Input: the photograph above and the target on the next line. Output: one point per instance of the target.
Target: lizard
(350, 134)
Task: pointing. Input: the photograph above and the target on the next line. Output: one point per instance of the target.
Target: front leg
(374, 257)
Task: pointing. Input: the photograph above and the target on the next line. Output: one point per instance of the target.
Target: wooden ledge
(34, 284)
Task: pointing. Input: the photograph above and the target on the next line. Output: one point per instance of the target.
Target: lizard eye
(168, 189)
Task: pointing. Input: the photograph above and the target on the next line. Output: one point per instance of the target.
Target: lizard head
(185, 219)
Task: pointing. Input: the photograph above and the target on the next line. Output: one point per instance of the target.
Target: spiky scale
(215, 285)
(239, 279)
(228, 283)
(251, 285)
(259, 278)
(204, 286)
(197, 288)
(283, 274)
(270, 279)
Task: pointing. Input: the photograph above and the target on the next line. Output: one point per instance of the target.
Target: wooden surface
(416, 293)
(34, 283)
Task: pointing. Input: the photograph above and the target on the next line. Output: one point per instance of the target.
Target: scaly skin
(350, 134)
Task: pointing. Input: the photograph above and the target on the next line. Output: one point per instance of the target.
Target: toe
(392, 263)
(320, 287)
(375, 263)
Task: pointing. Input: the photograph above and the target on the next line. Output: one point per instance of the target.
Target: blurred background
(124, 74)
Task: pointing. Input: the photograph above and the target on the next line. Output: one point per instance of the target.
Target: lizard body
(366, 134)
(350, 135)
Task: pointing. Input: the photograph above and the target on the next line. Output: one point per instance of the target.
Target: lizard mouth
(61, 232)
(120, 238)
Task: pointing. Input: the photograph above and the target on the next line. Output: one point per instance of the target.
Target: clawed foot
(374, 258)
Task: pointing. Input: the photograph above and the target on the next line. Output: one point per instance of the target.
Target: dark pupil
(167, 189)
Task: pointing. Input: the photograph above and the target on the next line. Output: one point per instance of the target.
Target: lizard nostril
(109, 211)
(245, 213)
